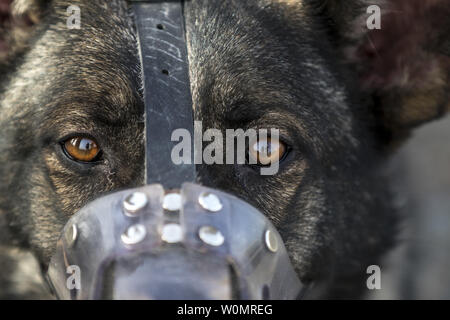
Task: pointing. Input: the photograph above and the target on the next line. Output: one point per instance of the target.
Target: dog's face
(71, 123)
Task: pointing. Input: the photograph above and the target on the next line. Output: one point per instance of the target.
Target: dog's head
(343, 96)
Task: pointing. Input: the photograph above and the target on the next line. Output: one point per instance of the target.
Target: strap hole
(160, 26)
(166, 72)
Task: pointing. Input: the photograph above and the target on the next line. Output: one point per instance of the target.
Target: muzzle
(172, 238)
(195, 243)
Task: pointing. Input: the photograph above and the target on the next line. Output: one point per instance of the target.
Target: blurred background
(419, 268)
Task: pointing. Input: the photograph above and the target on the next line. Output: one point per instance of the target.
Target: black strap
(167, 96)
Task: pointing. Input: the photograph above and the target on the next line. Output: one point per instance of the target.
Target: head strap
(167, 95)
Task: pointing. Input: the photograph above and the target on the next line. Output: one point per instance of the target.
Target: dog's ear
(18, 19)
(401, 50)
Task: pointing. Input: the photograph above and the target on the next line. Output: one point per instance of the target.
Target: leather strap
(167, 96)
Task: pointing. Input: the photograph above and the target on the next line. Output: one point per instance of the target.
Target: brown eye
(81, 149)
(267, 151)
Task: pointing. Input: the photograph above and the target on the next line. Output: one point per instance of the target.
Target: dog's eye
(266, 151)
(81, 149)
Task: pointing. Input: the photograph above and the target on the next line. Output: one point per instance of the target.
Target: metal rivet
(271, 241)
(71, 235)
(210, 202)
(172, 233)
(135, 202)
(172, 201)
(211, 236)
(134, 234)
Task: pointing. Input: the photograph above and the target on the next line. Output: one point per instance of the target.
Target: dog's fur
(342, 96)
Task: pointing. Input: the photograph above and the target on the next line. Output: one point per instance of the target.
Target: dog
(343, 95)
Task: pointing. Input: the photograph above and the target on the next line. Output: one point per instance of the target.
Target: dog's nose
(192, 243)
